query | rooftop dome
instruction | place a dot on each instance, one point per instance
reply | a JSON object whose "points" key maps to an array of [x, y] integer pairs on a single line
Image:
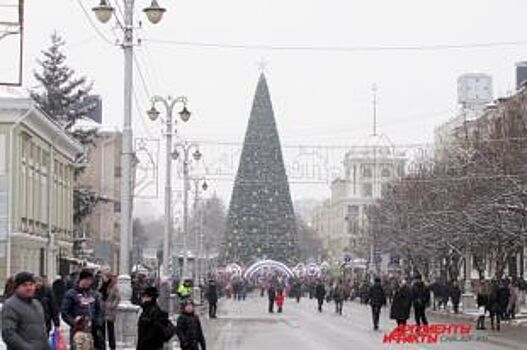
{"points": [[378, 144]]}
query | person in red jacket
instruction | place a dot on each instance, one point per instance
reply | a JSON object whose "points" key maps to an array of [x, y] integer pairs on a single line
{"points": [[280, 299]]}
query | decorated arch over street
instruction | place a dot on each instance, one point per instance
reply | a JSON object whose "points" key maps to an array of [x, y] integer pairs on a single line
{"points": [[268, 265]]}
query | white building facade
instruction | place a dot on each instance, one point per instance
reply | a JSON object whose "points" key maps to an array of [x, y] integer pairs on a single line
{"points": [[36, 190], [342, 222]]}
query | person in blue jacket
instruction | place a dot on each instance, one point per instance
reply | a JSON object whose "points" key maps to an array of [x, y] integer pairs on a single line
{"points": [[83, 301]]}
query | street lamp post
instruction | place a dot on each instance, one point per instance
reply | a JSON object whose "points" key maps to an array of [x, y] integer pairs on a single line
{"points": [[186, 148], [169, 104], [104, 13], [197, 181], [126, 319]]}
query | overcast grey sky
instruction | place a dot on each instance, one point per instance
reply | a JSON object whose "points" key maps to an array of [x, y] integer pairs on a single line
{"points": [[318, 96]]}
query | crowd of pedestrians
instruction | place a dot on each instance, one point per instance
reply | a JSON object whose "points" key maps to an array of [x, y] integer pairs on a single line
{"points": [[499, 299], [87, 303]]}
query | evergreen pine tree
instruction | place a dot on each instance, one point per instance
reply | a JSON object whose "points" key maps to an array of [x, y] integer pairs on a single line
{"points": [[65, 99], [62, 95]]}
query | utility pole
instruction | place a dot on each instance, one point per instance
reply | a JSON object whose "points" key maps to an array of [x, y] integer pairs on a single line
{"points": [[127, 150]]}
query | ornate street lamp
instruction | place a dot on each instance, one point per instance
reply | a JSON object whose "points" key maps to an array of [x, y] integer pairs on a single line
{"points": [[154, 12], [103, 12]]}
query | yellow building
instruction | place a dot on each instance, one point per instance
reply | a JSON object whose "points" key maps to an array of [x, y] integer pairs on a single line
{"points": [[36, 190]]}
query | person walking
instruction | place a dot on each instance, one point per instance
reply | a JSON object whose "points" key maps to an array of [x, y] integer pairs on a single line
{"points": [[401, 303], [504, 297], [271, 294], [320, 294], [389, 291], [296, 290], [44, 294], [110, 298], [188, 329], [455, 296], [84, 301], [338, 297], [280, 300], [495, 306], [420, 300], [212, 298], [442, 295], [23, 322], [59, 289], [483, 305], [153, 325], [513, 305], [377, 299]]}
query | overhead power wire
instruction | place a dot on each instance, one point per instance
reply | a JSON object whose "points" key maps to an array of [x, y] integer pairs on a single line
{"points": [[248, 46], [142, 77], [140, 114]]}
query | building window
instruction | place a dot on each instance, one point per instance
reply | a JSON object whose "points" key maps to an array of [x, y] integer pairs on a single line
{"points": [[118, 171], [384, 188], [367, 190], [117, 207], [44, 199], [367, 171], [353, 211]]}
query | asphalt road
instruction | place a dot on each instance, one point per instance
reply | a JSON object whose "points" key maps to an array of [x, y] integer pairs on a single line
{"points": [[246, 325]]}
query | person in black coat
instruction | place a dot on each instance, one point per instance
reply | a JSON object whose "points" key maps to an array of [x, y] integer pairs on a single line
{"points": [[189, 329], [271, 294], [420, 300], [44, 294], [377, 299], [320, 294], [496, 312], [152, 322], [498, 301], [212, 298], [483, 305], [59, 289], [455, 295], [401, 304], [503, 297]]}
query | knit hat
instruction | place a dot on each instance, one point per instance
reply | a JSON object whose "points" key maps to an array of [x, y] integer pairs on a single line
{"points": [[150, 291], [23, 277], [85, 274]]}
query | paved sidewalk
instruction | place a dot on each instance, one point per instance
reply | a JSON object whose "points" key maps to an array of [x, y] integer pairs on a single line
{"points": [[520, 319]]}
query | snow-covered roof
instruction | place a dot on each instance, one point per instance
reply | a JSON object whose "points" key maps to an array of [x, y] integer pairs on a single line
{"points": [[88, 124]]}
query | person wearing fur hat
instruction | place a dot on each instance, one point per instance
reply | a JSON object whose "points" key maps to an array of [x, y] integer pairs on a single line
{"points": [[83, 301], [23, 322], [153, 322], [188, 328]]}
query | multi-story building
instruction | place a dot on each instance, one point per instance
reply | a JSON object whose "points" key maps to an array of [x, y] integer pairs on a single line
{"points": [[102, 175], [342, 222], [36, 190], [474, 92]]}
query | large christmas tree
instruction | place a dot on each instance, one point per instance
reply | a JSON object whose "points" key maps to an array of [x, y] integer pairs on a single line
{"points": [[261, 221]]}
